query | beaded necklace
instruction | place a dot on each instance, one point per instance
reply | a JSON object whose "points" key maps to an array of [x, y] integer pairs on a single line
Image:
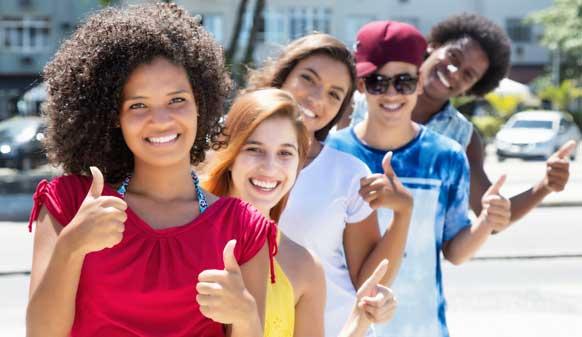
{"points": [[202, 204]]}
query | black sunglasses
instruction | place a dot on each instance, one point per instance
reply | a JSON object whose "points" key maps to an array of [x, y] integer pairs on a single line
{"points": [[377, 84]]}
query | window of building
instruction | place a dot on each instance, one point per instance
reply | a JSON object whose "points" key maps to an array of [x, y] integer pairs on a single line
{"points": [[214, 24], [519, 31], [24, 35], [353, 25], [287, 23]]}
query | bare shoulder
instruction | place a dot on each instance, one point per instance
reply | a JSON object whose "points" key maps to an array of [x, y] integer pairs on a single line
{"points": [[301, 267]]}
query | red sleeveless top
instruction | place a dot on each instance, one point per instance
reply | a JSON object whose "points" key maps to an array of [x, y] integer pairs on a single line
{"points": [[145, 285]]}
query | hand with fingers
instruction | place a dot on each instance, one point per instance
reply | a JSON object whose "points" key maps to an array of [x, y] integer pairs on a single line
{"points": [[222, 295], [375, 303], [99, 222], [386, 190], [374, 300], [496, 211], [558, 168]]}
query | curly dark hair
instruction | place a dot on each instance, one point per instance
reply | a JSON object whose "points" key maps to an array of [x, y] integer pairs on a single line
{"points": [[492, 39], [275, 71], [85, 80]]}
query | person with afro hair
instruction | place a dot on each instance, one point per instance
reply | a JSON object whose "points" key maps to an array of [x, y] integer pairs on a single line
{"points": [[135, 98], [470, 54]]}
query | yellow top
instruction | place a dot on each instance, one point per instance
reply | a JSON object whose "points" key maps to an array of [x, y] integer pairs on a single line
{"points": [[280, 307]]}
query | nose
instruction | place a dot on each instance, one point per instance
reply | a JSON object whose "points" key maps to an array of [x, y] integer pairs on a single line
{"points": [[315, 98], [161, 116], [269, 163]]}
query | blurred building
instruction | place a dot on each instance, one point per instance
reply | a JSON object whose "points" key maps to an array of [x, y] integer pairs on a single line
{"points": [[30, 33], [284, 20]]}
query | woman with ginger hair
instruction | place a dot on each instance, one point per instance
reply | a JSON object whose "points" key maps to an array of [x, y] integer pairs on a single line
{"points": [[267, 145]]}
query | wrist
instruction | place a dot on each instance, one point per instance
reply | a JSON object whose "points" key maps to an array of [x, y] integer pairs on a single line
{"points": [[68, 245], [543, 188], [357, 323], [251, 317], [67, 249]]}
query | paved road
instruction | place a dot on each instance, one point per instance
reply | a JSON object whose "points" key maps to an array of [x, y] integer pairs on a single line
{"points": [[509, 298]]}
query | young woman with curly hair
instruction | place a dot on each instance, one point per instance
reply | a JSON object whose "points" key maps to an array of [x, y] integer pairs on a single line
{"points": [[325, 212], [134, 100], [267, 146]]}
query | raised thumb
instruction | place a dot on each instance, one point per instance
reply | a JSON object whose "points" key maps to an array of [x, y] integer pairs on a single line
{"points": [[230, 262], [496, 188], [387, 164], [97, 184], [566, 149]]}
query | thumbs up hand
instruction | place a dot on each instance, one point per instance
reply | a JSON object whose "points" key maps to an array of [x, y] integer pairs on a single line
{"points": [[99, 222], [558, 168], [496, 211], [376, 301], [385, 190], [222, 295]]}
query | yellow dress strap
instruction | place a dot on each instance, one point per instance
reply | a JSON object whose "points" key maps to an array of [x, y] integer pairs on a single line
{"points": [[280, 308]]}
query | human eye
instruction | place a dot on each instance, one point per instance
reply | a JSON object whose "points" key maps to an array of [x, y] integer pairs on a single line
{"points": [[307, 78], [137, 106], [286, 153], [175, 100], [335, 96], [253, 149]]}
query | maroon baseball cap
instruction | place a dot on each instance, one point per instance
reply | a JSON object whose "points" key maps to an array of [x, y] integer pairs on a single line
{"points": [[380, 42]]}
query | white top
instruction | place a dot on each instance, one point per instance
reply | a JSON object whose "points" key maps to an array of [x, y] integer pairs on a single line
{"points": [[325, 198]]}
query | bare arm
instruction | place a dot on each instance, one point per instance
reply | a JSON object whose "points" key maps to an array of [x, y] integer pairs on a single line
{"points": [[255, 274], [521, 203], [53, 281], [309, 310], [495, 213], [364, 247], [59, 254]]}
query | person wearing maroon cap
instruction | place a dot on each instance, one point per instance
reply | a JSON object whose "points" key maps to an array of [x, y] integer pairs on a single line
{"points": [[469, 54], [432, 167]]}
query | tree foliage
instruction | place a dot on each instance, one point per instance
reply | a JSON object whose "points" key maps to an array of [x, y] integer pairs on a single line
{"points": [[562, 23]]}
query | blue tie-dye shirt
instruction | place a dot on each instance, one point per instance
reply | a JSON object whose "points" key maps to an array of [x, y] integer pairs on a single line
{"points": [[435, 170]]}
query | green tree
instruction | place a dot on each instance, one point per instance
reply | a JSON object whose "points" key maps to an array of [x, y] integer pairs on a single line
{"points": [[562, 23]]}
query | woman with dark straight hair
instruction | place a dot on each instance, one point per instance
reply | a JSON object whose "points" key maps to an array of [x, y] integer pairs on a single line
{"points": [[325, 212]]}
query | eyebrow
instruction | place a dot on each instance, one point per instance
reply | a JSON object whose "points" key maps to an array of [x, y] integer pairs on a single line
{"points": [[254, 142], [311, 70], [180, 91]]}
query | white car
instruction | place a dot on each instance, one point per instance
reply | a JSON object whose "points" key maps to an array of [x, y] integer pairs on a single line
{"points": [[536, 134]]}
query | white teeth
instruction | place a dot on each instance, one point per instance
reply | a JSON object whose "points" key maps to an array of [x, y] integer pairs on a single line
{"points": [[308, 113], [392, 106], [443, 79], [162, 140], [269, 185], [451, 68]]}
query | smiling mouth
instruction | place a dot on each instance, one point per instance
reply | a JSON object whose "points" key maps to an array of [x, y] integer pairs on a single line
{"points": [[308, 113], [443, 79], [263, 185], [391, 106], [169, 139]]}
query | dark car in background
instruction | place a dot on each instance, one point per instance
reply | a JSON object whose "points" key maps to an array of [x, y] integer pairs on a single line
{"points": [[20, 143]]}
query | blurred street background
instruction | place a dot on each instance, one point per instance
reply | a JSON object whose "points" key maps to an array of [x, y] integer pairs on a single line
{"points": [[526, 281]]}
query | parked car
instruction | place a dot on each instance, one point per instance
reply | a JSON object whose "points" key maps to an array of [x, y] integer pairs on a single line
{"points": [[20, 143], [536, 134]]}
